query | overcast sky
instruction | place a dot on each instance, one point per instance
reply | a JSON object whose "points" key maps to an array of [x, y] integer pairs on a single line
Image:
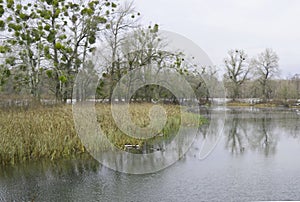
{"points": [[219, 25]]}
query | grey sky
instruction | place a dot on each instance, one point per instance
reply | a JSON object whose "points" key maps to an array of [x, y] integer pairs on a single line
{"points": [[217, 26]]}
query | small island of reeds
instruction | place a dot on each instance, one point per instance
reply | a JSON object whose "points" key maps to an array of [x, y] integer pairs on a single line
{"points": [[48, 132]]}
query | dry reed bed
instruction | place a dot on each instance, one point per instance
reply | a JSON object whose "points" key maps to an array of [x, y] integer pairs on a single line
{"points": [[37, 133], [49, 132]]}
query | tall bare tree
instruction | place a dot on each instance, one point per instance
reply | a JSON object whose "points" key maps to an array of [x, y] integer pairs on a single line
{"points": [[265, 66], [122, 20], [237, 71]]}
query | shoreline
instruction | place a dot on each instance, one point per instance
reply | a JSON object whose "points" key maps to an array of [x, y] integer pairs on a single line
{"points": [[262, 105]]}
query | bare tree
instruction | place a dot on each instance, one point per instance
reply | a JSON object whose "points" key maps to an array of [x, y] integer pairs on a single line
{"points": [[237, 71], [122, 20], [265, 67]]}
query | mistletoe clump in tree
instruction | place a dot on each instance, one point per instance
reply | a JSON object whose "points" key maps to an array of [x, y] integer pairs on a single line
{"points": [[49, 38]]}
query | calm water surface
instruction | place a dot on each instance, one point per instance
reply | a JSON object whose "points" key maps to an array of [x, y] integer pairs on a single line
{"points": [[257, 158]]}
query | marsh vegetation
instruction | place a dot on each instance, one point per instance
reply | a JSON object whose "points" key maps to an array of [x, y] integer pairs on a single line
{"points": [[49, 132]]}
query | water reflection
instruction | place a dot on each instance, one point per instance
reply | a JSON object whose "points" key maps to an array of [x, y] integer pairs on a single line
{"points": [[263, 140], [258, 130], [42, 180], [142, 162], [266, 138], [235, 134]]}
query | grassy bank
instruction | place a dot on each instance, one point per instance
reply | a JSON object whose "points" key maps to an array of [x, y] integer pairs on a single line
{"points": [[258, 105], [49, 132]]}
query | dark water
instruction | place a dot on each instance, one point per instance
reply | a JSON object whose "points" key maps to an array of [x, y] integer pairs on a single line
{"points": [[257, 158]]}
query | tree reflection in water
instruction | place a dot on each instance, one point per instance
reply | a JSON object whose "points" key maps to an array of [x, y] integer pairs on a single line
{"points": [[234, 140], [265, 138], [255, 131]]}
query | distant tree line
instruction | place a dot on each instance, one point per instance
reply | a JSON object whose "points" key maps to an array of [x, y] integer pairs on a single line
{"points": [[258, 77], [45, 44]]}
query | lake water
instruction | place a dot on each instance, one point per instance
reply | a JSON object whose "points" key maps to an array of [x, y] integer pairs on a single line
{"points": [[257, 158]]}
